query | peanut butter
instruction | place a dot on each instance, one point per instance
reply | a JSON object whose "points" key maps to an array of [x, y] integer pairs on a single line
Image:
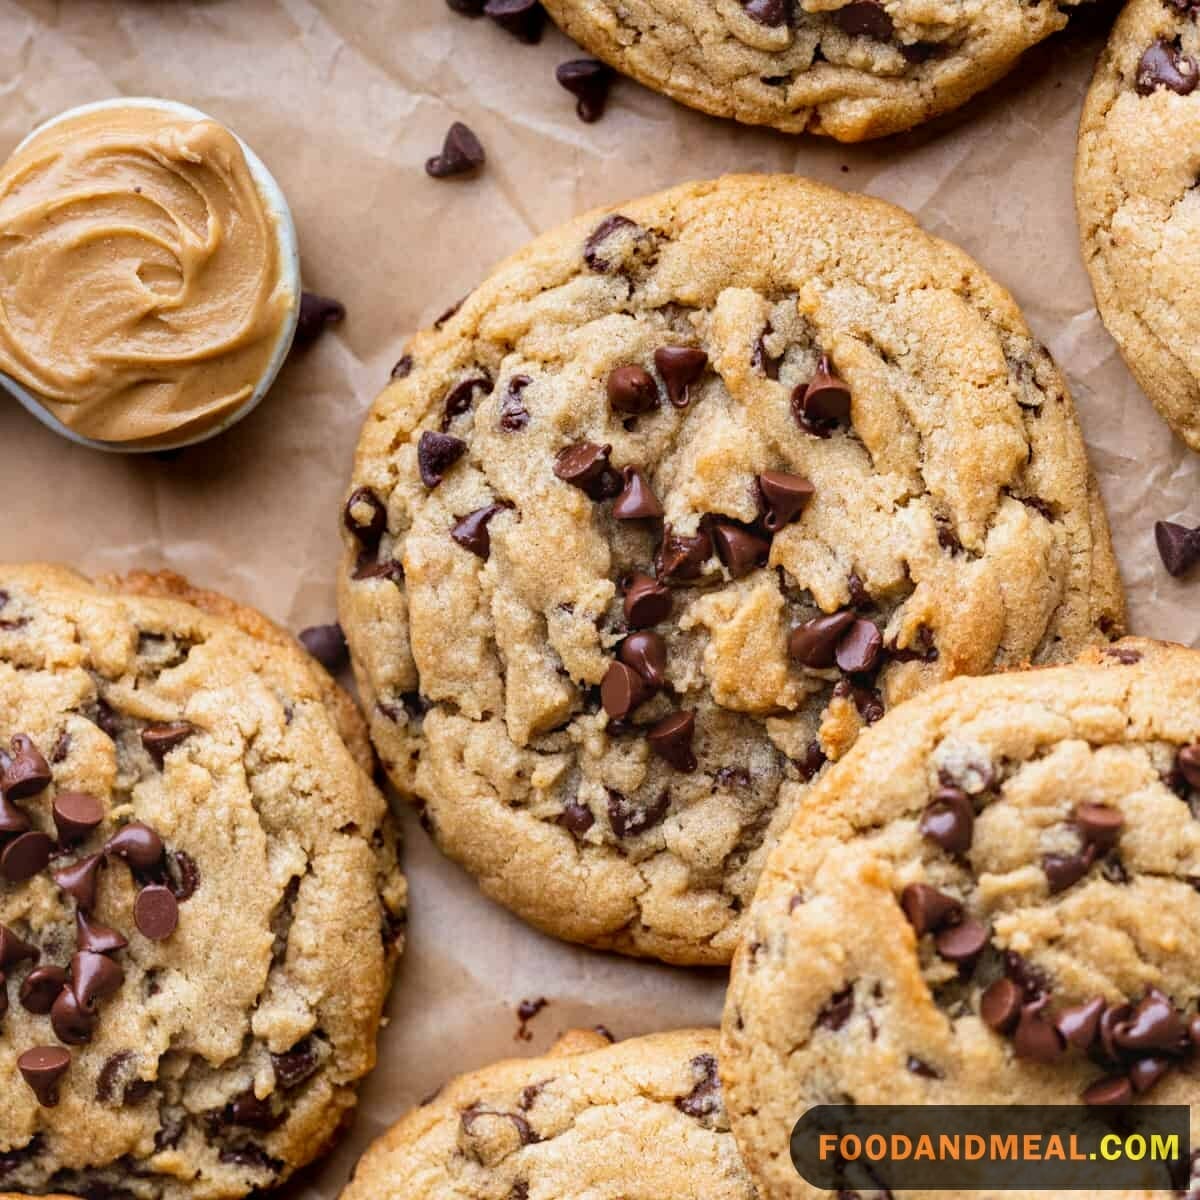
{"points": [[140, 278]]}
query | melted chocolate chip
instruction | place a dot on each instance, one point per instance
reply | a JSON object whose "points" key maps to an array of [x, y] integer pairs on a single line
{"points": [[680, 367], [671, 739], [647, 602], [250, 1112], [1065, 870], [365, 518], [471, 1116], [514, 416], [296, 1065], [762, 359], [705, 1097], [1115, 1089], [637, 499], [576, 817], [1080, 1024], [589, 81], [403, 367], [436, 454], [327, 644], [461, 397], [740, 550], [814, 643], [471, 532], [1164, 65], [646, 653], [681, 556], [629, 819], [611, 224], [838, 1011], [584, 465], [462, 152], [865, 18], [860, 646], [183, 875], [949, 821], [772, 13]]}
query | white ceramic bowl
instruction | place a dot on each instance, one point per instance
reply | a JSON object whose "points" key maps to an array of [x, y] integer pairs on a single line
{"points": [[289, 272]]}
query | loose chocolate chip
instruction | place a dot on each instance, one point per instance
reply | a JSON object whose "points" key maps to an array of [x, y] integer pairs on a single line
{"points": [[772, 13], [403, 367], [739, 549], [680, 367], [838, 1010], [927, 909], [591, 250], [136, 843], [461, 154], [1146, 1072], [589, 81], [647, 602], [860, 647], [1080, 1024], [637, 499], [365, 518], [1065, 870], [12, 819], [646, 653], [1036, 1038], [671, 739], [471, 532], [76, 815], [94, 977], [631, 389], [1099, 824], [962, 943], [705, 1098], [156, 912], [317, 314], [576, 817], [514, 416], [1165, 65], [160, 740], [1113, 1089], [865, 18], [628, 819], [40, 988], [14, 949], [1187, 763], [949, 821], [1000, 1005], [43, 1068], [79, 879], [26, 773], [1178, 547], [622, 690], [296, 1065], [784, 498], [814, 643], [823, 402], [461, 397], [681, 556], [327, 644], [1153, 1025], [436, 454], [73, 1024], [583, 465], [918, 1066], [524, 19], [25, 856], [91, 935]]}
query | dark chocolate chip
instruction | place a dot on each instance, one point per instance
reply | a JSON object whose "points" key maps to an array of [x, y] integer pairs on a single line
{"points": [[646, 653], [296, 1065], [814, 643], [14, 949], [461, 397], [524, 19], [637, 499], [814, 759], [1164, 65], [1113, 1089], [962, 943], [76, 815], [12, 819], [43, 1068], [1178, 547], [25, 856], [317, 314], [136, 843], [823, 402], [365, 518], [628, 819], [671, 739], [248, 1111], [471, 532], [591, 250], [949, 820], [838, 1010], [705, 1097], [865, 18], [589, 81], [680, 367], [160, 740], [91, 935], [647, 602], [772, 13], [868, 702], [514, 416], [859, 649], [1187, 763], [40, 988], [583, 465], [1080, 1024], [1035, 1037], [26, 772], [576, 817], [1065, 870], [252, 1156], [156, 912], [784, 498], [436, 454], [94, 977], [384, 569], [1144, 1073], [73, 1024], [327, 644], [1153, 1025], [927, 909], [740, 550], [461, 154], [682, 556], [403, 367], [1099, 824], [631, 389], [622, 690], [109, 1075], [1000, 1005]]}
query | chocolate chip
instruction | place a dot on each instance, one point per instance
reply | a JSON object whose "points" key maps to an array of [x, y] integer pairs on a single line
{"points": [[365, 518], [403, 367], [14, 949], [25, 856], [739, 549], [436, 454], [671, 739], [1035, 1037], [859, 648], [838, 1010], [73, 1024], [248, 1111], [591, 250], [40, 988], [918, 1066], [26, 772], [772, 13], [705, 1097], [1000, 1005], [1178, 547], [823, 402], [327, 644], [471, 532], [385, 569], [12, 819], [1065, 870], [461, 397], [628, 819], [576, 817], [296, 1065], [524, 19], [461, 154], [814, 643], [949, 821], [94, 977], [160, 740], [622, 690], [631, 389], [156, 912], [1080, 1024], [1165, 65], [1099, 824], [1111, 1019], [76, 815], [927, 909], [868, 702], [1187, 763], [814, 759], [3, 1005], [784, 498], [91, 935], [859, 596], [136, 843], [109, 1075], [43, 1068], [317, 314], [647, 602], [865, 18], [1113, 1089], [514, 416], [682, 556], [646, 653], [589, 81], [962, 943], [183, 875], [680, 367], [467, 8], [1146, 1072], [637, 499], [1153, 1025], [763, 360], [583, 465], [250, 1155]]}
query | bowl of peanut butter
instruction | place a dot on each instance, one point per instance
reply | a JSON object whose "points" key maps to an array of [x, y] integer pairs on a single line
{"points": [[149, 276]]}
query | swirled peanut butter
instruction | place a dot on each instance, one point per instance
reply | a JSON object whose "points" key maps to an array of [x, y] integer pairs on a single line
{"points": [[140, 279]]}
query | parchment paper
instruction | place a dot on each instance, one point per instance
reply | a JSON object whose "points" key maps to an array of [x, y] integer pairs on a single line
{"points": [[345, 99]]}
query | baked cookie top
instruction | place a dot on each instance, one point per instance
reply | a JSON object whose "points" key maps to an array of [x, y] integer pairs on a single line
{"points": [[190, 855], [1139, 211], [852, 70], [992, 900], [640, 1120], [677, 501]]}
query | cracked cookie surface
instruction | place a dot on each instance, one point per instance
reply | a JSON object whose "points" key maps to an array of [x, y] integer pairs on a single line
{"points": [[673, 504], [639, 1120], [194, 862], [992, 900], [850, 70], [1139, 208]]}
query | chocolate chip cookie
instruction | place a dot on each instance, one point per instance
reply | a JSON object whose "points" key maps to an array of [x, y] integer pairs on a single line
{"points": [[1139, 210], [992, 900], [677, 502], [640, 1120], [200, 905], [852, 70]]}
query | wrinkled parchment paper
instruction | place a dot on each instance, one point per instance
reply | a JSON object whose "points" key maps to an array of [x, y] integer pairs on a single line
{"points": [[345, 99]]}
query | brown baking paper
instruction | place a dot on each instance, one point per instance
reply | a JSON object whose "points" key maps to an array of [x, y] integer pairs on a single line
{"points": [[345, 100]]}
